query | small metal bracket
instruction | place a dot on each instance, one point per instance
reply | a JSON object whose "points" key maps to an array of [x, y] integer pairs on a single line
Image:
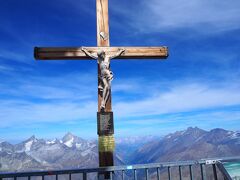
{"points": [[211, 162], [104, 36]]}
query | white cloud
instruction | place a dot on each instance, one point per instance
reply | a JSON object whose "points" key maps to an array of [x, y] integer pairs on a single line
{"points": [[181, 98], [126, 85], [73, 97], [68, 87], [201, 15], [48, 99], [24, 113]]}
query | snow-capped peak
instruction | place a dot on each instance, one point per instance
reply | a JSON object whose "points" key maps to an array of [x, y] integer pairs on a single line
{"points": [[73, 141], [28, 145], [235, 135], [69, 143], [29, 142], [68, 136], [68, 139]]}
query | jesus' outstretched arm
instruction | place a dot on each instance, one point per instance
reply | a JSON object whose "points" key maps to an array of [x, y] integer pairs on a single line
{"points": [[120, 51], [92, 55]]}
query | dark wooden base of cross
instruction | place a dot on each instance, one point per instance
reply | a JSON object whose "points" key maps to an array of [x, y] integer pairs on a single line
{"points": [[105, 159], [106, 143]]}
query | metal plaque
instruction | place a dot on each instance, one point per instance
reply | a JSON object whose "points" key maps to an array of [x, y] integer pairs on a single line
{"points": [[105, 123]]}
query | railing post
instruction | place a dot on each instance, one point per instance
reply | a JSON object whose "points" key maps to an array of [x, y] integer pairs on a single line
{"points": [[214, 172], [146, 173], [135, 174], [203, 172], [158, 173], [111, 175], [180, 172], [84, 176], [123, 174], [169, 173], [191, 172]]}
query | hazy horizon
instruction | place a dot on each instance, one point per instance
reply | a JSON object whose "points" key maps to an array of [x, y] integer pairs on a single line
{"points": [[16, 141]]}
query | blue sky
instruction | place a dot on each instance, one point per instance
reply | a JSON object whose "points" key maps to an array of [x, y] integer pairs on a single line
{"points": [[198, 85]]}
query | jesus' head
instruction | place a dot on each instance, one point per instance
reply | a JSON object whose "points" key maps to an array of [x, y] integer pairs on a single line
{"points": [[101, 54]]}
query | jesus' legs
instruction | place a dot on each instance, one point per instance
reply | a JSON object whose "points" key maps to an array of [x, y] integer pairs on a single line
{"points": [[105, 94]]}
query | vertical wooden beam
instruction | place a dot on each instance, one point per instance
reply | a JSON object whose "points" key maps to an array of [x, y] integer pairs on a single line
{"points": [[102, 23], [105, 158], [103, 41]]}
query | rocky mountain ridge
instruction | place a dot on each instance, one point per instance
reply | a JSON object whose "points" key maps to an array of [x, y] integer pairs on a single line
{"points": [[74, 152], [68, 152], [190, 144]]}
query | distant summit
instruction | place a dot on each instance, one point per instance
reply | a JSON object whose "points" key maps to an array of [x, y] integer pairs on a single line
{"points": [[68, 137], [188, 133]]}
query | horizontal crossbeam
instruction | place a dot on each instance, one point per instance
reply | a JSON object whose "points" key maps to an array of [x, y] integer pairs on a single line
{"points": [[51, 53]]}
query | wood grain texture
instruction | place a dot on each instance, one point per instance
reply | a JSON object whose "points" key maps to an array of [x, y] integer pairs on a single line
{"points": [[102, 22], [103, 27], [75, 53], [106, 159]]}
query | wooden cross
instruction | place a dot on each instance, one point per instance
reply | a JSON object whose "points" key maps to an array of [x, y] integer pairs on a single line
{"points": [[103, 38]]}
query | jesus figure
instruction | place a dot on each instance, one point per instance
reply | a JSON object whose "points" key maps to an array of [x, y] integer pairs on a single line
{"points": [[106, 74]]}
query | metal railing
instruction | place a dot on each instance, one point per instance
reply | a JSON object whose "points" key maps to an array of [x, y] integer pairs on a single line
{"points": [[159, 171]]}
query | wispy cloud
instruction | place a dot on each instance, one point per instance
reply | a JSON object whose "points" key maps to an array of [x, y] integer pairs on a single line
{"points": [[201, 15], [13, 56], [5, 68], [226, 118], [25, 113], [183, 98], [36, 99], [53, 99], [69, 87]]}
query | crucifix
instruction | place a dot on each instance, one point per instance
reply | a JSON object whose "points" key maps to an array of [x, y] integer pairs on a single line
{"points": [[103, 53]]}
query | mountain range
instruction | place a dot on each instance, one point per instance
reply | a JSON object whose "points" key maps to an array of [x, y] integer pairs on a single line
{"points": [[69, 152], [74, 152], [190, 144]]}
